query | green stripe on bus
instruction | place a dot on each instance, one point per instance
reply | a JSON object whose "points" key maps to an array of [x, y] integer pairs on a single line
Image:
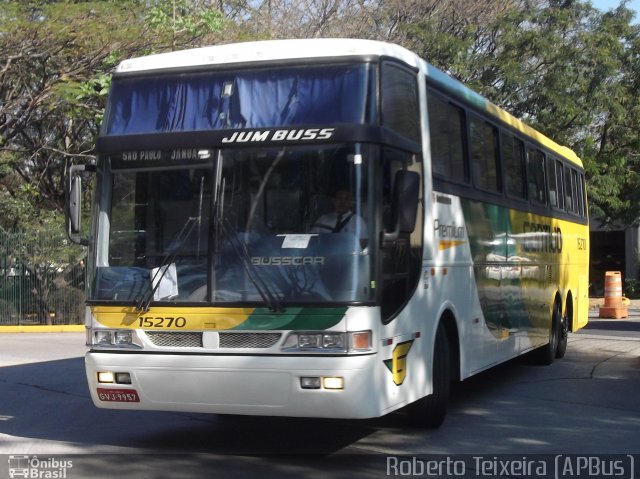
{"points": [[299, 318], [498, 257]]}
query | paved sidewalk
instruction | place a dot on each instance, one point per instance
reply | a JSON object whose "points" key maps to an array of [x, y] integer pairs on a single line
{"points": [[595, 303], [627, 328]]}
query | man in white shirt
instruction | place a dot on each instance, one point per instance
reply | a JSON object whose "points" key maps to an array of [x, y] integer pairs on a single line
{"points": [[342, 219]]}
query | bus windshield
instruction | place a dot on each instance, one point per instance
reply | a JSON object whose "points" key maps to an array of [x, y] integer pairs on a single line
{"points": [[272, 226]]}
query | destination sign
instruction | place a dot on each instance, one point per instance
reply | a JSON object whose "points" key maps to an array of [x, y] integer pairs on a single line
{"points": [[157, 155], [142, 158]]}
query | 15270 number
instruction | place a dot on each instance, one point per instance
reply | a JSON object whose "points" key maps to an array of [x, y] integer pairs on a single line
{"points": [[160, 322]]}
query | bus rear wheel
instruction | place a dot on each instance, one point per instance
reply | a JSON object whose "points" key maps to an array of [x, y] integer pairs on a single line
{"points": [[430, 411], [562, 341], [564, 329], [547, 353]]}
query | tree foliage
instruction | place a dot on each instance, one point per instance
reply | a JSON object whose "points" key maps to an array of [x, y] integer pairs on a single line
{"points": [[568, 70], [55, 64], [561, 65], [53, 60]]}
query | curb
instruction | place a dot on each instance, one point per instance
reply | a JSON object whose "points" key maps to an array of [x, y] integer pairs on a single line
{"points": [[76, 328], [604, 337]]}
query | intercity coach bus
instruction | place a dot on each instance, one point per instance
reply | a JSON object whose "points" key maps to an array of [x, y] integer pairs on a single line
{"points": [[214, 287]]}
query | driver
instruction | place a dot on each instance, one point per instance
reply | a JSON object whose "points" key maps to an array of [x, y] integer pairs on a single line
{"points": [[342, 219]]}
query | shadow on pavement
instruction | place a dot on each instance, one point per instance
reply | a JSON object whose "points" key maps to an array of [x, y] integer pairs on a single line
{"points": [[619, 325], [51, 401], [514, 406]]}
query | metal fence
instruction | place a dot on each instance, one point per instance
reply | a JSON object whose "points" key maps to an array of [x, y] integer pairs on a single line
{"points": [[42, 278]]}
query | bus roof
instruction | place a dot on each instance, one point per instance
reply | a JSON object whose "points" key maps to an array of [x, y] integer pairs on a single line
{"points": [[269, 50], [275, 50]]}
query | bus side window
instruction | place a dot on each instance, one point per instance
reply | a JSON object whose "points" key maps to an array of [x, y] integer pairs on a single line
{"points": [[446, 129], [574, 190], [513, 157], [484, 155], [581, 197], [568, 190], [400, 104], [559, 176], [535, 177], [554, 174]]}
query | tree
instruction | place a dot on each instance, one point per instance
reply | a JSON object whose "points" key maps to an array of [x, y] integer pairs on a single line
{"points": [[54, 58], [55, 63], [612, 147], [565, 68]]}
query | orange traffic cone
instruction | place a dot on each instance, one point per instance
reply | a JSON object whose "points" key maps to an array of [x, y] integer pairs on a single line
{"points": [[613, 307]]}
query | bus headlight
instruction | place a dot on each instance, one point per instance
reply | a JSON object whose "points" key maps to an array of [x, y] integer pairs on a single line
{"points": [[102, 338], [322, 341], [115, 338], [123, 338], [328, 342], [333, 341], [306, 341]]}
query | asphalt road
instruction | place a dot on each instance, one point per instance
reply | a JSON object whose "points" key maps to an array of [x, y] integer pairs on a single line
{"points": [[587, 403]]}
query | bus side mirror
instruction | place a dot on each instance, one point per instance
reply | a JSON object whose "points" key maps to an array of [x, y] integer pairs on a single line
{"points": [[404, 204], [74, 201], [75, 204]]}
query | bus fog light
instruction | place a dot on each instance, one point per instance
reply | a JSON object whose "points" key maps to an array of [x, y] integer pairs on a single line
{"points": [[309, 341], [333, 383], [106, 377], [102, 338], [333, 341], [310, 383], [123, 378], [123, 337]]}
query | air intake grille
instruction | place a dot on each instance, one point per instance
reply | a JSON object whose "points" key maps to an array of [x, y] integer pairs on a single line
{"points": [[248, 340], [175, 340]]}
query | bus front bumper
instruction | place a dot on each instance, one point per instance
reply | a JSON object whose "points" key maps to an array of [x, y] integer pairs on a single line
{"points": [[247, 385]]}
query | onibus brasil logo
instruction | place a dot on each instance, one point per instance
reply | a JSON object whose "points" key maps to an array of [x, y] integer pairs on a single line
{"points": [[33, 467]]}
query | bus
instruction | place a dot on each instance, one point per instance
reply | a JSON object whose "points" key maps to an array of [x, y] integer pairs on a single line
{"points": [[216, 286], [18, 466]]}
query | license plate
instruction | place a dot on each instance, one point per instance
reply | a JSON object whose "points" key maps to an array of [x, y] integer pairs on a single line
{"points": [[118, 395]]}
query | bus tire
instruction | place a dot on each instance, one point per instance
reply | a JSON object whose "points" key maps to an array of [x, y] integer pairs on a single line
{"points": [[547, 353], [562, 341], [430, 411]]}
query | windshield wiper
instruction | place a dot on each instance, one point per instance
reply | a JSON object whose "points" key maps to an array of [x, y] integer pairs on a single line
{"points": [[223, 226], [240, 248], [142, 303]]}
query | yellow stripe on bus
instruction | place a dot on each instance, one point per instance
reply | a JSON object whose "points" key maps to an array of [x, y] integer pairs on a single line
{"points": [[446, 244], [536, 135], [171, 317]]}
